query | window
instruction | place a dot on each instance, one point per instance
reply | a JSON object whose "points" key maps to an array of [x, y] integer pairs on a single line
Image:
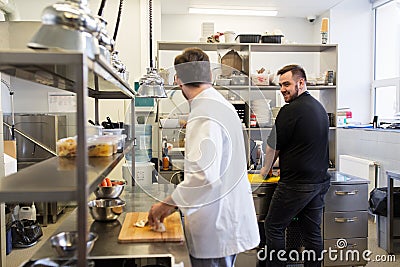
{"points": [[386, 85]]}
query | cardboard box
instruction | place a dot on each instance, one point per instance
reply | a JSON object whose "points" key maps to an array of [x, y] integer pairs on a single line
{"points": [[10, 148]]}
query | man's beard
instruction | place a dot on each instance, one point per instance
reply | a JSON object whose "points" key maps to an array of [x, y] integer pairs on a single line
{"points": [[295, 95]]}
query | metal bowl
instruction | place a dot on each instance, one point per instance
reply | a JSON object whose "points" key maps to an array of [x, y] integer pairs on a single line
{"points": [[106, 209], [110, 191], [65, 244]]}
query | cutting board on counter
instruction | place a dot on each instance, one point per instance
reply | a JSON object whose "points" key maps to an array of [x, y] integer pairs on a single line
{"points": [[131, 234]]}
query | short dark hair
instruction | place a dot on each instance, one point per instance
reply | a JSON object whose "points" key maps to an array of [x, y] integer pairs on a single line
{"points": [[296, 70], [193, 67]]}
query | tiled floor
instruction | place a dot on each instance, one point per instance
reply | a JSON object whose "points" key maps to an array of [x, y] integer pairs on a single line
{"points": [[19, 256]]}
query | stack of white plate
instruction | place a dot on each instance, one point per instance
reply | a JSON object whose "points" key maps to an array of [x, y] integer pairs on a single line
{"points": [[262, 109]]}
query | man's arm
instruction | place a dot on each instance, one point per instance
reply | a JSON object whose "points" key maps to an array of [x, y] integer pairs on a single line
{"points": [[270, 157]]}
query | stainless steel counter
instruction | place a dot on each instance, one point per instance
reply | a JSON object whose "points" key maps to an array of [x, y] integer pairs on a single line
{"points": [[107, 246]]}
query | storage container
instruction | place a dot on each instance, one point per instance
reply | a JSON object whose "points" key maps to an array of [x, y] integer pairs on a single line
{"points": [[248, 38], [277, 39], [118, 136], [100, 147], [143, 149]]}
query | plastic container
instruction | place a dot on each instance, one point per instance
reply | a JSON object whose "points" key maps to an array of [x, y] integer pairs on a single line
{"points": [[66, 147], [143, 149], [101, 147], [144, 173], [260, 79], [248, 38], [277, 39], [25, 213], [229, 36], [120, 137], [222, 82], [92, 130]]}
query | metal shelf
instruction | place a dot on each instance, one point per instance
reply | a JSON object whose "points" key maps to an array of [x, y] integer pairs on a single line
{"points": [[296, 48], [309, 87], [255, 47], [60, 179], [55, 179], [57, 70], [179, 46]]}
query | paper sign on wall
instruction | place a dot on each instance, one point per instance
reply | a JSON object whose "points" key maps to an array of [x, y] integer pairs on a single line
{"points": [[62, 102]]}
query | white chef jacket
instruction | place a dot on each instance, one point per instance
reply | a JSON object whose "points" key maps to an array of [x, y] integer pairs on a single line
{"points": [[216, 196]]}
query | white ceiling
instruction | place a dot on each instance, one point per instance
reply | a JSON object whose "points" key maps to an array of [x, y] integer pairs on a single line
{"points": [[286, 8]]}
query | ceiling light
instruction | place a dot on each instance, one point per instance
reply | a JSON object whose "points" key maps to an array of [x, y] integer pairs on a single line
{"points": [[239, 12]]}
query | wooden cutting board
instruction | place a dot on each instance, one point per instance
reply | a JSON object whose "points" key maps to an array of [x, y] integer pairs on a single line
{"points": [[131, 234]]}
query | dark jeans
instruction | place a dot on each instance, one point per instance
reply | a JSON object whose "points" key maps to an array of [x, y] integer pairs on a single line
{"points": [[304, 201]]}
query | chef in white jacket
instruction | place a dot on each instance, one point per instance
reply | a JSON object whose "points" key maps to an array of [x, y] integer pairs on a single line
{"points": [[215, 196]]}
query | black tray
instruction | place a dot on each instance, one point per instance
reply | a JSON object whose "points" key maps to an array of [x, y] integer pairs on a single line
{"points": [[248, 38], [271, 39]]}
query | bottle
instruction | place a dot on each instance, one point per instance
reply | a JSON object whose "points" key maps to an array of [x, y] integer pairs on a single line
{"points": [[33, 210], [16, 213], [259, 154], [165, 159], [253, 120]]}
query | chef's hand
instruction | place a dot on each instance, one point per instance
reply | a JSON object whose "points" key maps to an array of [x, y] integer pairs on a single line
{"points": [[159, 211]]}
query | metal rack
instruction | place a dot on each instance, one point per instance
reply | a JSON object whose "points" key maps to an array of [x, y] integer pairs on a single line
{"points": [[60, 179], [322, 57]]}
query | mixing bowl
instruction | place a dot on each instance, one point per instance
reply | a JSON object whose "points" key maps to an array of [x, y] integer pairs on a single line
{"points": [[110, 191], [106, 209], [65, 244]]}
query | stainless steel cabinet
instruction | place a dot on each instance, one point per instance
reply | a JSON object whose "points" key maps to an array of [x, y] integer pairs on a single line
{"points": [[345, 221]]}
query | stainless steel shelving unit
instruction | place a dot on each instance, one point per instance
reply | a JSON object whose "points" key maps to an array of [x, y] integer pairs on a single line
{"points": [[59, 179], [323, 57]]}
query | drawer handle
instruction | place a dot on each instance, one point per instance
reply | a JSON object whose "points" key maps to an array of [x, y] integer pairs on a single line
{"points": [[346, 220], [346, 193]]}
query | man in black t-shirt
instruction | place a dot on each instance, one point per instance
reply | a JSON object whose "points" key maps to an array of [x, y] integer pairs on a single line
{"points": [[300, 139]]}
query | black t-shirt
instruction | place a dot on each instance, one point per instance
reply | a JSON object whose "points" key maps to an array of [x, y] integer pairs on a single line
{"points": [[301, 133]]}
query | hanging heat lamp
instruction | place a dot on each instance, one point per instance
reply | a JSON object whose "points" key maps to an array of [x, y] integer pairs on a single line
{"points": [[151, 84], [68, 25]]}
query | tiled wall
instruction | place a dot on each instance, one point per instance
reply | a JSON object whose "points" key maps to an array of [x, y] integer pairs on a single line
{"points": [[382, 146]]}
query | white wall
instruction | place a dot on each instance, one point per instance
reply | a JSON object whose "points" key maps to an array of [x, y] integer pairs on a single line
{"points": [[351, 27], [188, 28]]}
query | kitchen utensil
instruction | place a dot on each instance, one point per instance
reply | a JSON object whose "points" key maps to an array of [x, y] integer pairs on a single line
{"points": [[65, 244], [106, 209], [110, 122], [132, 234], [92, 123], [110, 191]]}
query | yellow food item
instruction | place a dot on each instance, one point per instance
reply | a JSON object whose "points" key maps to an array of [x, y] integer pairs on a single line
{"points": [[101, 150], [66, 147], [257, 178]]}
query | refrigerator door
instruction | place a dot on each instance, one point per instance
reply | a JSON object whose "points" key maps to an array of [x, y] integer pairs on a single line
{"points": [[46, 129]]}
